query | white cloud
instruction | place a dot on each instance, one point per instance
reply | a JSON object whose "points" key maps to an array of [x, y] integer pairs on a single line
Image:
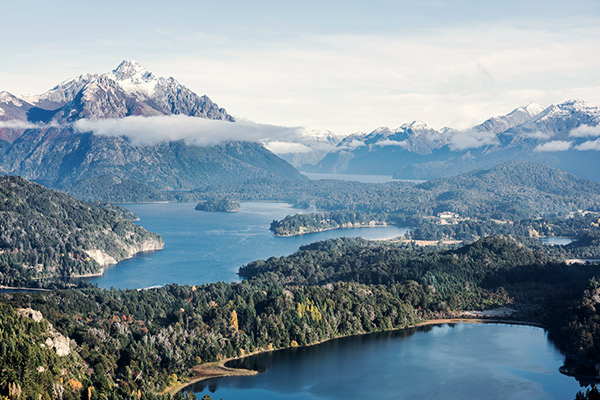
{"points": [[585, 131], [388, 142], [350, 145], [537, 135], [17, 124], [472, 139], [194, 131], [287, 147], [555, 145], [589, 145]]}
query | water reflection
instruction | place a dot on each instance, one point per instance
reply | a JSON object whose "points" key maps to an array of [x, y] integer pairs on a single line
{"points": [[450, 361]]}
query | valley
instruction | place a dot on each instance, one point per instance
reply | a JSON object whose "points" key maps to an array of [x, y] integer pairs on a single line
{"points": [[253, 264]]}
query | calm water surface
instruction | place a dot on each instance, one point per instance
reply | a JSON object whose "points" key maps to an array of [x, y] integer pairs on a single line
{"points": [[315, 176], [462, 361], [553, 241], [203, 247]]}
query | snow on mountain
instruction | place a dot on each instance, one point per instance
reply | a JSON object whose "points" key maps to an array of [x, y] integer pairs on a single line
{"points": [[556, 122], [516, 117], [486, 133], [60, 94], [129, 89], [13, 116], [12, 107], [415, 137]]}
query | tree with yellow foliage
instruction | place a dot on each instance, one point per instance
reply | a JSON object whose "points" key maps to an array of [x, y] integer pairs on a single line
{"points": [[234, 320]]}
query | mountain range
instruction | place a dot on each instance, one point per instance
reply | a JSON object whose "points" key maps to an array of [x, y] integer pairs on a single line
{"points": [[39, 138], [563, 135]]}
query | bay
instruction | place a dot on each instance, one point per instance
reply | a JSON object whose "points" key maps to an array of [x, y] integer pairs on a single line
{"points": [[452, 361], [204, 247]]}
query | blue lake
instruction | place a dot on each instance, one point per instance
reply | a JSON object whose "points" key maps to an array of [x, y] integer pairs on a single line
{"points": [[460, 361], [463, 361], [203, 247]]}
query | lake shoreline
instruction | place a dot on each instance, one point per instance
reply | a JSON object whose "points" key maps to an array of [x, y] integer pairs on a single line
{"points": [[218, 369]]}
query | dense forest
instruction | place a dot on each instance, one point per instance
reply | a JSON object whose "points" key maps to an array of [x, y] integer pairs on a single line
{"points": [[219, 205], [47, 234], [514, 190], [317, 222], [92, 343], [506, 200], [128, 343]]}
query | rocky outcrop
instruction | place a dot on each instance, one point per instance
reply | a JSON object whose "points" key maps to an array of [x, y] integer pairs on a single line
{"points": [[53, 339], [104, 259]]}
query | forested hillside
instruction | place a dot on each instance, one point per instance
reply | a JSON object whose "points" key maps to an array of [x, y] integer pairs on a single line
{"points": [[47, 234], [138, 343], [484, 200]]}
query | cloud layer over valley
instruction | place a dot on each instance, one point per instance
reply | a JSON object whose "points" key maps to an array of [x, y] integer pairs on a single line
{"points": [[194, 131]]}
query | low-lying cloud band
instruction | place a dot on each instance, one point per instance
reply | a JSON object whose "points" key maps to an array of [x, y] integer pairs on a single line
{"points": [[194, 131]]}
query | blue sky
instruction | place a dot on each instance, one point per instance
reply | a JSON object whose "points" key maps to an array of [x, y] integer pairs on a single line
{"points": [[339, 65]]}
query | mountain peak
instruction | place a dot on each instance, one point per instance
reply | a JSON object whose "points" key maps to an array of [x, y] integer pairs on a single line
{"points": [[7, 97], [577, 105], [416, 126], [533, 109], [131, 70]]}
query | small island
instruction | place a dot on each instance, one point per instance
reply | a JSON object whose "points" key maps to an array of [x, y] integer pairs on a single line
{"points": [[219, 205]]}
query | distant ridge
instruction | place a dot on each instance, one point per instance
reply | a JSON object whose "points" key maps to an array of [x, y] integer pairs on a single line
{"points": [[415, 151]]}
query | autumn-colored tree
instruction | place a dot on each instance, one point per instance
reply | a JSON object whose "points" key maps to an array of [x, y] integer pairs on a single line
{"points": [[234, 320]]}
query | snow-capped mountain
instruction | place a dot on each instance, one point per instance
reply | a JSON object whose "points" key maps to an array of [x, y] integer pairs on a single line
{"points": [[415, 137], [127, 90], [60, 94], [39, 140], [557, 121], [530, 132], [502, 123], [13, 116], [12, 108]]}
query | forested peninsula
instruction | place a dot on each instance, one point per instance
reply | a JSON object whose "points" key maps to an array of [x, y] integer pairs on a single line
{"points": [[47, 235]]}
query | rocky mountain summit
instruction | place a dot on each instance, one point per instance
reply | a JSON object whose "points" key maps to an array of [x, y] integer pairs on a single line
{"points": [[127, 90]]}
